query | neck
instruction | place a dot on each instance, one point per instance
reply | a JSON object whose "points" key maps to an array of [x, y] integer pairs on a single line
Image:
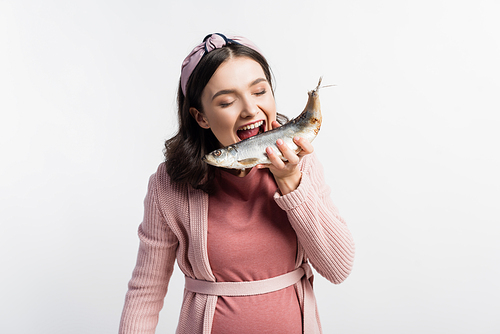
{"points": [[239, 172]]}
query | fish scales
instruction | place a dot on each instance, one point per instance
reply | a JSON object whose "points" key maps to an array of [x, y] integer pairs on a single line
{"points": [[252, 151]]}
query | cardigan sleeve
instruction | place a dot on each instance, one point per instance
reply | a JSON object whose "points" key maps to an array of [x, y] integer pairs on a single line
{"points": [[154, 267], [320, 229]]}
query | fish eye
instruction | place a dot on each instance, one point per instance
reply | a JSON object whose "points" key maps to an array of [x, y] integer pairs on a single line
{"points": [[217, 153]]}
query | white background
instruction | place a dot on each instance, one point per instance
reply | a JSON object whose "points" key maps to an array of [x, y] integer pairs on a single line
{"points": [[409, 143]]}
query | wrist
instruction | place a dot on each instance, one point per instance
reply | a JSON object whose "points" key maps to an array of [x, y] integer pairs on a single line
{"points": [[288, 184]]}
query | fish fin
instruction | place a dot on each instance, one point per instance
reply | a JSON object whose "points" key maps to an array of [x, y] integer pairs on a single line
{"points": [[249, 161]]}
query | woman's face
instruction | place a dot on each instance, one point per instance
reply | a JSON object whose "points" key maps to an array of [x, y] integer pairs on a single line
{"points": [[237, 102]]}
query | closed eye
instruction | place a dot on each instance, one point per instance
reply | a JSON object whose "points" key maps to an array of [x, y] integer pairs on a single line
{"points": [[225, 104], [262, 92]]}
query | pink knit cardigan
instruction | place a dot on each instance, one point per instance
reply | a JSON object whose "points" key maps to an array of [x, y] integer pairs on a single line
{"points": [[175, 227]]}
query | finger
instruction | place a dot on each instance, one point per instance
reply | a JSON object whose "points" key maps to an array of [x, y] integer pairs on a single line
{"points": [[287, 152], [304, 144], [275, 125], [274, 158]]}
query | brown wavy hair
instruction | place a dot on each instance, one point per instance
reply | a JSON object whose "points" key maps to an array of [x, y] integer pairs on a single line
{"points": [[183, 152]]}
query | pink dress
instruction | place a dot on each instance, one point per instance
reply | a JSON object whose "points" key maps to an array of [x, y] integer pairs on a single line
{"points": [[175, 229], [250, 238]]}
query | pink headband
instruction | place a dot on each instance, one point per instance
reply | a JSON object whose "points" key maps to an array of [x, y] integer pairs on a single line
{"points": [[210, 42]]}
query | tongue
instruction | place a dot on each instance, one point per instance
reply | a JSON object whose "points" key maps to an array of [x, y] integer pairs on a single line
{"points": [[244, 134]]}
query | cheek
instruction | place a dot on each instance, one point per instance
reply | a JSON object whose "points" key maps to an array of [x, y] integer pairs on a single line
{"points": [[270, 109], [223, 127]]}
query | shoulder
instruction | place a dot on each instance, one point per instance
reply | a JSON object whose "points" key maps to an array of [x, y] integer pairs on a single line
{"points": [[163, 184], [161, 177], [168, 192]]}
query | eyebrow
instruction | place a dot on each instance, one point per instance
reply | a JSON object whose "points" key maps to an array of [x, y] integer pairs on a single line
{"points": [[230, 91], [256, 81]]}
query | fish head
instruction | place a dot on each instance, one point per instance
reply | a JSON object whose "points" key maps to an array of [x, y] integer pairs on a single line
{"points": [[222, 157]]}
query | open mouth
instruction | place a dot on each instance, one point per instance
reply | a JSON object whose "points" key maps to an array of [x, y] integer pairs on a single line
{"points": [[251, 130]]}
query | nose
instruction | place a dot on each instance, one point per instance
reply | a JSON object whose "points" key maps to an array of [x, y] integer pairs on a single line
{"points": [[249, 108]]}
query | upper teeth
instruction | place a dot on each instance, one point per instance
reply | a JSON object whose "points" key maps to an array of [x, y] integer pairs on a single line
{"points": [[252, 126]]}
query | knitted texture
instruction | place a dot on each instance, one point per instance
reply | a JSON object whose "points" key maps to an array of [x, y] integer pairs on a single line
{"points": [[175, 227]]}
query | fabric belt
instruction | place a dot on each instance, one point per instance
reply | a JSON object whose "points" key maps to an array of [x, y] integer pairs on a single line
{"points": [[249, 288]]}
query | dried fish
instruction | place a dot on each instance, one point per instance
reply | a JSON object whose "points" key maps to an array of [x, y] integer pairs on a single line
{"points": [[252, 151]]}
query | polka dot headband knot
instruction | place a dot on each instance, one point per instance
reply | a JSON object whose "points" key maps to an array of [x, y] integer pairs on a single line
{"points": [[210, 43]]}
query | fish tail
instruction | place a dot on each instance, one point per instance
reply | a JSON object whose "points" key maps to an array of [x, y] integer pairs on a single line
{"points": [[318, 87]]}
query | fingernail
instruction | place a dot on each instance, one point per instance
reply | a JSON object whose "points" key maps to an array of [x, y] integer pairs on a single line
{"points": [[279, 142]]}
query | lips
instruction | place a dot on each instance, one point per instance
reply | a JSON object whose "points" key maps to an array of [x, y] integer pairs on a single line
{"points": [[250, 130]]}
